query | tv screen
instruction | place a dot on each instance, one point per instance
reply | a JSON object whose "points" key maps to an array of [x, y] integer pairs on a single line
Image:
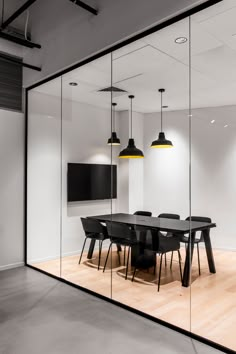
{"points": [[91, 181]]}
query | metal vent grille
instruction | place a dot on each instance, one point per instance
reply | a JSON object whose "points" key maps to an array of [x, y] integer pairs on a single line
{"points": [[111, 88], [10, 84]]}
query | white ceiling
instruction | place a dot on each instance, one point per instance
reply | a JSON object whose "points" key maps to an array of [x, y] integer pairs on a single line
{"points": [[156, 61]]}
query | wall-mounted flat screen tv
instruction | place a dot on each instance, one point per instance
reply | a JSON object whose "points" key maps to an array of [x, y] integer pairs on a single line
{"points": [[91, 181]]}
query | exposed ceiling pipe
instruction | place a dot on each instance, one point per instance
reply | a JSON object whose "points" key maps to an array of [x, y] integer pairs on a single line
{"points": [[85, 6], [17, 13], [20, 62], [18, 40]]}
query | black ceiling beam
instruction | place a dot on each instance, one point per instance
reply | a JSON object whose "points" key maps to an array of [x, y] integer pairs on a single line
{"points": [[85, 6], [19, 61], [18, 40], [17, 13]]}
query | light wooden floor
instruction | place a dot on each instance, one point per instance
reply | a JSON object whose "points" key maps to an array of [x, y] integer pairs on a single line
{"points": [[212, 296]]}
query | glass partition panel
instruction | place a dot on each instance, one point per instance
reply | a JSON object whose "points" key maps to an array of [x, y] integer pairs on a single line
{"points": [[43, 177], [155, 70], [86, 174], [131, 177], [214, 173]]}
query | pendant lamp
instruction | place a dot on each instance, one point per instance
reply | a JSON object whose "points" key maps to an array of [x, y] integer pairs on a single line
{"points": [[161, 142], [131, 152], [113, 140]]}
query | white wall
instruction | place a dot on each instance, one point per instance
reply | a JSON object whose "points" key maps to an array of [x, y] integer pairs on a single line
{"points": [[68, 34], [130, 180], [166, 171], [11, 189]]}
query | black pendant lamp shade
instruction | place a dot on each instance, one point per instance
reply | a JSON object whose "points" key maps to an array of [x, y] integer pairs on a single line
{"points": [[161, 142], [131, 152], [113, 140]]}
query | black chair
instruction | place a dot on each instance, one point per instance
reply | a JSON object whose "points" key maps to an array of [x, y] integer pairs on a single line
{"points": [[169, 216], [159, 244], [143, 213], [120, 234], [185, 239], [94, 230]]}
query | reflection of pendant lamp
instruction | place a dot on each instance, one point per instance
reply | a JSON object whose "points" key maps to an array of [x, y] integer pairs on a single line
{"points": [[131, 152], [161, 142], [114, 141]]}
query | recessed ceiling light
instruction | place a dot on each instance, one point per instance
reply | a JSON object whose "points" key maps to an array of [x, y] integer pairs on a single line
{"points": [[73, 84], [212, 121], [181, 40], [226, 125]]}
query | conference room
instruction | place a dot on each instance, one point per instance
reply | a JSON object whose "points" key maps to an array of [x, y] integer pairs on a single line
{"points": [[131, 175]]}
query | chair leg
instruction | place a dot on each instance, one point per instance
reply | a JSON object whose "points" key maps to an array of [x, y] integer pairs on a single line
{"points": [[171, 260], [165, 260], [127, 266], [100, 251], [198, 256], [159, 278], [82, 250], [134, 273], [107, 257], [180, 267]]}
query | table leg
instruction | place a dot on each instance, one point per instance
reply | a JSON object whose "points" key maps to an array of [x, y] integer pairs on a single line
{"points": [[138, 249], [91, 248], [210, 257], [135, 252], [188, 260]]}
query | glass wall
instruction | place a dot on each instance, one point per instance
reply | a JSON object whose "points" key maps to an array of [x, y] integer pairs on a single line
{"points": [[213, 173], [150, 226], [44, 177], [86, 161]]}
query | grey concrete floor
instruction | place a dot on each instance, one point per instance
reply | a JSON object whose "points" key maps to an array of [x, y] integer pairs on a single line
{"points": [[39, 315]]}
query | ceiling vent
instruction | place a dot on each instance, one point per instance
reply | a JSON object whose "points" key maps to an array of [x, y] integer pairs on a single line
{"points": [[111, 89]]}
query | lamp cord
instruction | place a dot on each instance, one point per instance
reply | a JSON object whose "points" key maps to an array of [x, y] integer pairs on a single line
{"points": [[161, 111], [131, 118], [114, 120]]}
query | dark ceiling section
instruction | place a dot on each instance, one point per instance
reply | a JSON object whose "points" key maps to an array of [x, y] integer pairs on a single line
{"points": [[17, 38], [17, 13], [11, 13]]}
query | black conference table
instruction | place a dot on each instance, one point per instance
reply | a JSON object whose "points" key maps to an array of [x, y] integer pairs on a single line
{"points": [[177, 227]]}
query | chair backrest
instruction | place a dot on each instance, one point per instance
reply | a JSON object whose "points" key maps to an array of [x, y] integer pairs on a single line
{"points": [[169, 216], [118, 230], [201, 219], [143, 213], [91, 226]]}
